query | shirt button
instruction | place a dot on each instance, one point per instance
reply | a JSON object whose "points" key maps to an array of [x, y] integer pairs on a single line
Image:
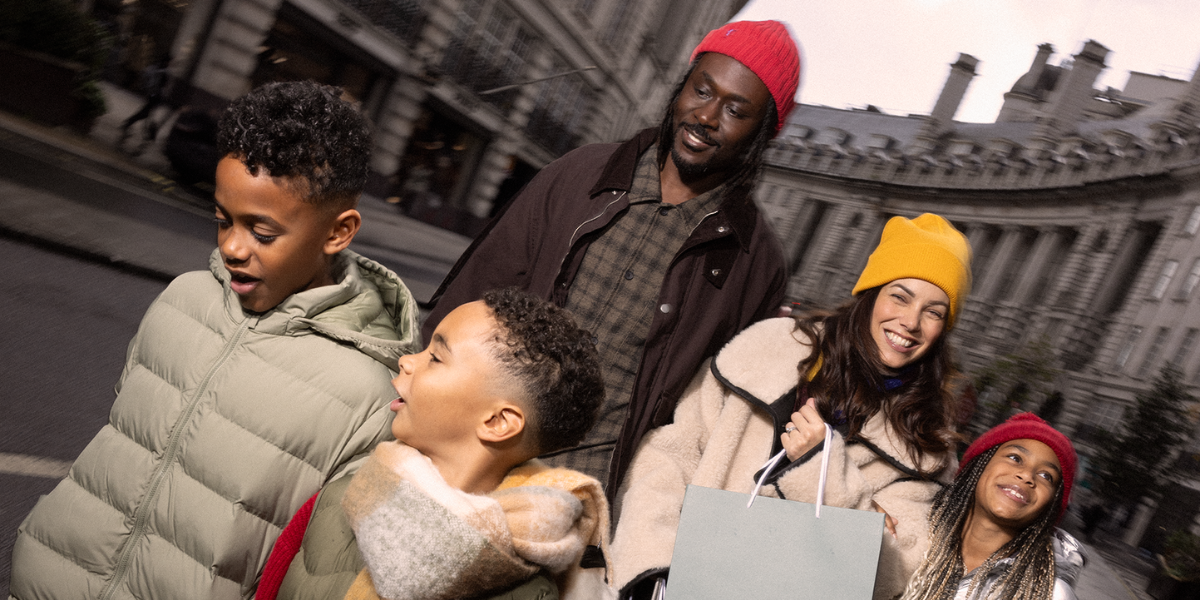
{"points": [[628, 274], [722, 229], [716, 272], [665, 308], [664, 211], [595, 340]]}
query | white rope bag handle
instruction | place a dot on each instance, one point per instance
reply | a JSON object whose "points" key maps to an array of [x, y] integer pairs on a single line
{"points": [[767, 468]]}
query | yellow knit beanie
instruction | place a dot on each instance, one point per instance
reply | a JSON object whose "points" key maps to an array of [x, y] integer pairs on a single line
{"points": [[927, 247]]}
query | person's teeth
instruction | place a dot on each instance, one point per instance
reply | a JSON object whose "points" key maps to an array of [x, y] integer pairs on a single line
{"points": [[899, 341]]}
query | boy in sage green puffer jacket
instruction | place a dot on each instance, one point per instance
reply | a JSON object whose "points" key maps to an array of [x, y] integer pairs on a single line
{"points": [[247, 387]]}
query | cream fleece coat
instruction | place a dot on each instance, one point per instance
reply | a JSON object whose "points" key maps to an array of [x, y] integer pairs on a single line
{"points": [[723, 433]]}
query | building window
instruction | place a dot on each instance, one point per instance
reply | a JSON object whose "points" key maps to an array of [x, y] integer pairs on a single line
{"points": [[556, 122], [1164, 279], [1193, 222], [404, 18], [619, 23], [1108, 416], [1127, 348], [491, 48], [1185, 347], [1189, 284], [1160, 338]]}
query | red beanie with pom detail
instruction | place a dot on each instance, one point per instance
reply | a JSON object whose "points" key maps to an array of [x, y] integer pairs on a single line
{"points": [[1028, 426], [767, 49]]}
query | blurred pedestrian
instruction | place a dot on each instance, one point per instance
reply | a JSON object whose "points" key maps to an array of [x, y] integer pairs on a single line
{"points": [[154, 84]]}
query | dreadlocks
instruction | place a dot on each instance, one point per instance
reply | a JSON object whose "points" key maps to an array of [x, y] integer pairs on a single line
{"points": [[752, 160], [1029, 577]]}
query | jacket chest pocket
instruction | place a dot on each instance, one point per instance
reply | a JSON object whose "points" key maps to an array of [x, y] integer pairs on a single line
{"points": [[718, 262]]}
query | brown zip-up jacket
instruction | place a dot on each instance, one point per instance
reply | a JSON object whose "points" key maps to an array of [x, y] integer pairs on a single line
{"points": [[728, 274]]}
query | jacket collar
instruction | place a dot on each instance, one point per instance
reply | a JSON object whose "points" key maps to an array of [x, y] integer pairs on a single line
{"points": [[738, 209], [368, 307]]}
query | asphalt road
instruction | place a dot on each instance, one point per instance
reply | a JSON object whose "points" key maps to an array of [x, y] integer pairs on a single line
{"points": [[67, 322]]}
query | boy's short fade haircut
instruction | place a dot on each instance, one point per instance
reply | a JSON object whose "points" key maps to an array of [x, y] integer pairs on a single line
{"points": [[554, 360], [304, 131]]}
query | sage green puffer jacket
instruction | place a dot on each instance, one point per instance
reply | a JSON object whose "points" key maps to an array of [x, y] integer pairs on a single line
{"points": [[225, 423]]}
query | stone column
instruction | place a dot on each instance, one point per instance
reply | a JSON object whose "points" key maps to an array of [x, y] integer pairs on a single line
{"points": [[1076, 258], [493, 166], [1038, 262], [993, 273], [394, 124], [827, 242], [231, 54]]}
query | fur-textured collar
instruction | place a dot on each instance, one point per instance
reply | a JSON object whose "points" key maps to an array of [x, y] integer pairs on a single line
{"points": [[761, 364], [425, 540]]}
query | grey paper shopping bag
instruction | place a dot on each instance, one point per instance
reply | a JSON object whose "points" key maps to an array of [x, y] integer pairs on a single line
{"points": [[730, 546], [724, 549]]}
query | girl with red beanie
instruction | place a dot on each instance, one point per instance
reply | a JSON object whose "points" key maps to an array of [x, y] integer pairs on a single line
{"points": [[993, 531]]}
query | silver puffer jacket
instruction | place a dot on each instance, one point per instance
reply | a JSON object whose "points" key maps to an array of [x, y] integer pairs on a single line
{"points": [[1068, 563]]}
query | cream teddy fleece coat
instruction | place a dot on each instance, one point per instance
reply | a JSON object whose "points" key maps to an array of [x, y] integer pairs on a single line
{"points": [[723, 433]]}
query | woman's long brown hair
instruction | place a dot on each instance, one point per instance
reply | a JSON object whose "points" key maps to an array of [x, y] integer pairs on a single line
{"points": [[851, 379]]}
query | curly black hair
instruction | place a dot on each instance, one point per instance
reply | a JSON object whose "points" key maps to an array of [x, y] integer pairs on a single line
{"points": [[304, 131], [554, 360]]}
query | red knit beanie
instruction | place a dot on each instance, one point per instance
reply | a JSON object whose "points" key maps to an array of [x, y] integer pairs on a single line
{"points": [[766, 48], [1028, 426]]}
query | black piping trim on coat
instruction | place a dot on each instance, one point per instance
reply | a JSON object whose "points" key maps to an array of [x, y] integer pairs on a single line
{"points": [[637, 584], [777, 419], [899, 466]]}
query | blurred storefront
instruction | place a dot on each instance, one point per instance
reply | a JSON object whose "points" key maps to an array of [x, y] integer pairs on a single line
{"points": [[469, 97]]}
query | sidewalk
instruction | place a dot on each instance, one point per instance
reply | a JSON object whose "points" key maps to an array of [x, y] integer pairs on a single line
{"points": [[420, 253]]}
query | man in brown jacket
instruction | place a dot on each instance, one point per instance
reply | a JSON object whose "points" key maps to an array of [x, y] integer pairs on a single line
{"points": [[655, 244]]}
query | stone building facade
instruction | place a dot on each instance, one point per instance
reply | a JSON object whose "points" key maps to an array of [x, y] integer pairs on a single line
{"points": [[469, 97], [1082, 207]]}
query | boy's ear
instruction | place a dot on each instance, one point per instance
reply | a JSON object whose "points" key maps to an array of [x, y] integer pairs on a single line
{"points": [[345, 227], [506, 422]]}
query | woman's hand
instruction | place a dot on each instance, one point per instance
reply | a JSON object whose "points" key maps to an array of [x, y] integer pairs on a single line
{"points": [[804, 431], [889, 522]]}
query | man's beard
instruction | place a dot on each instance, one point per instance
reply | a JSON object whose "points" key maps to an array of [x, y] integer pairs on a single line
{"points": [[689, 171]]}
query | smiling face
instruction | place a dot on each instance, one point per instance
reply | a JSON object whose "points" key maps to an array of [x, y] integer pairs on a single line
{"points": [[1018, 484], [273, 243], [717, 115], [908, 318], [445, 392]]}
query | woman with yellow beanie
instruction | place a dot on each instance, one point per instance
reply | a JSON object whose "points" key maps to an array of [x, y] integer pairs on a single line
{"points": [[875, 369]]}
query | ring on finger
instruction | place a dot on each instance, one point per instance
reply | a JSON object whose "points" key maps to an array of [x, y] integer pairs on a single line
{"points": [[790, 428]]}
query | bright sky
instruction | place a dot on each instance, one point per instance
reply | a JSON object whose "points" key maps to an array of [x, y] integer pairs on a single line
{"points": [[896, 54]]}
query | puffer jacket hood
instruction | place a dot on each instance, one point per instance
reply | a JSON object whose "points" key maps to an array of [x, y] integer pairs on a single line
{"points": [[366, 308]]}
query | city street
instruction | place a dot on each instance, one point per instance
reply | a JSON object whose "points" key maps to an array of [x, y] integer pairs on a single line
{"points": [[91, 237], [67, 321]]}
